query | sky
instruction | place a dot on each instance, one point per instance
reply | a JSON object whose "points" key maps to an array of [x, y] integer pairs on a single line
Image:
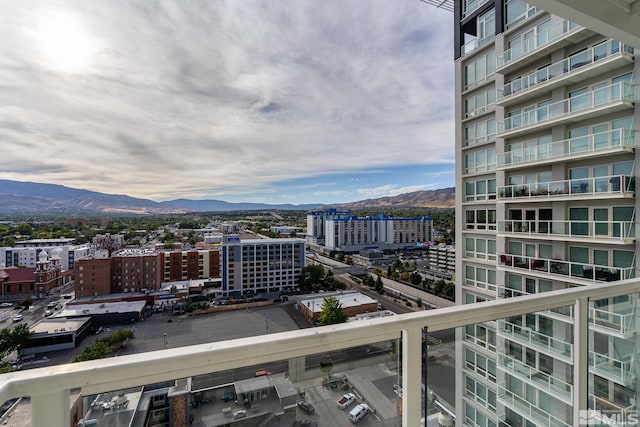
{"points": [[266, 101]]}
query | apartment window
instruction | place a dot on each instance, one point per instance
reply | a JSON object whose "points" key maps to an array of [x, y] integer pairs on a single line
{"points": [[480, 219], [480, 132], [528, 151], [478, 190], [480, 69], [480, 277], [480, 161], [477, 248], [480, 102], [516, 11]]}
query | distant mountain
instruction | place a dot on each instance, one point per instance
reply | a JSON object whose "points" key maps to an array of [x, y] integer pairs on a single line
{"points": [[18, 197], [442, 198]]}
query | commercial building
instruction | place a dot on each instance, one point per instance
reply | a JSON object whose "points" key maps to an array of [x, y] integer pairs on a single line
{"points": [[352, 303], [37, 281], [344, 232], [545, 142], [261, 265], [194, 264], [27, 256]]}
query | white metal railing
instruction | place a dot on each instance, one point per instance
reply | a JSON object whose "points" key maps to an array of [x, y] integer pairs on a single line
{"points": [[49, 387], [579, 104], [535, 376], [578, 229], [565, 67], [594, 186], [532, 338], [568, 148], [528, 44], [569, 269]]}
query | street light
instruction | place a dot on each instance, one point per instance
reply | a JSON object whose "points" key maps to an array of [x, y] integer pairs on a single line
{"points": [[165, 340]]}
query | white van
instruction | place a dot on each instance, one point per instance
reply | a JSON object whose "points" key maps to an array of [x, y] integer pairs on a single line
{"points": [[358, 412]]}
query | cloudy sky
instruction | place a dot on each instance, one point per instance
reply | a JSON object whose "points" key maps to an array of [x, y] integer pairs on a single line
{"points": [[292, 101]]}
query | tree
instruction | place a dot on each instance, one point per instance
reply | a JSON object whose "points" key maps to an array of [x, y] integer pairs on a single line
{"points": [[416, 278], [118, 338], [332, 312], [13, 338], [311, 277], [99, 350], [26, 303], [379, 286]]}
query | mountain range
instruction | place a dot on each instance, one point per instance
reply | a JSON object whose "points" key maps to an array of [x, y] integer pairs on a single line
{"points": [[17, 197]]}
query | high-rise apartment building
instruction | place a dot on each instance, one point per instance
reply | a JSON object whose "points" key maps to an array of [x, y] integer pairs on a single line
{"points": [[545, 200]]}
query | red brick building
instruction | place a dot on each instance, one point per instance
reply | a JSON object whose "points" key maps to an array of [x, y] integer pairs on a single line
{"points": [[92, 277], [38, 281]]}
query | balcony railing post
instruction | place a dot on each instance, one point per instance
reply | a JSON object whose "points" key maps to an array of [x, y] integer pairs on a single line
{"points": [[50, 409], [411, 380], [580, 357]]}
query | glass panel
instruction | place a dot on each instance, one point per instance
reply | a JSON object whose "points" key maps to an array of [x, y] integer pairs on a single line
{"points": [[579, 141], [575, 216], [601, 218]]}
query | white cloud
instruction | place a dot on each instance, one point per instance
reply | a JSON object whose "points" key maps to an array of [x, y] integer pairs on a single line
{"points": [[207, 98]]}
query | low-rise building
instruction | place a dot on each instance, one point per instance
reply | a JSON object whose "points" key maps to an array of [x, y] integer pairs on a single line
{"points": [[352, 303]]}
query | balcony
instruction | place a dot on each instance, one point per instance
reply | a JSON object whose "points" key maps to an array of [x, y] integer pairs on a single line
{"points": [[621, 371], [609, 99], [551, 346], [612, 322], [49, 387], [614, 141], [528, 49], [470, 6], [526, 408], [599, 59], [610, 232], [603, 187], [575, 271], [553, 385]]}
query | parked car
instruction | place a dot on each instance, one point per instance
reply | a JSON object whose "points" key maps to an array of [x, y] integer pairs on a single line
{"points": [[263, 373], [306, 406], [48, 313], [6, 304], [358, 412], [18, 318], [346, 400], [227, 397]]}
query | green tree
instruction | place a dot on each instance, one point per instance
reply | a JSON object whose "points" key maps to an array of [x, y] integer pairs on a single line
{"points": [[332, 312], [311, 277], [379, 286], [13, 338], [99, 350], [26, 303], [416, 278], [118, 338]]}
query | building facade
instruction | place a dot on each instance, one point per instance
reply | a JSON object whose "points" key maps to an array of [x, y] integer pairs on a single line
{"points": [[261, 265], [353, 234], [195, 264], [27, 256], [316, 223], [545, 137]]}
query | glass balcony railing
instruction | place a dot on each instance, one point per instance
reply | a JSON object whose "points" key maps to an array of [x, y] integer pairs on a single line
{"points": [[565, 67], [569, 269], [608, 367], [535, 376], [593, 100], [605, 407], [622, 324], [216, 383], [569, 148], [530, 410], [527, 44], [529, 337], [623, 231], [592, 187], [470, 6]]}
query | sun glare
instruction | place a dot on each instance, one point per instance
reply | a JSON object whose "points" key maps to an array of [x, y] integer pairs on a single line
{"points": [[65, 43]]}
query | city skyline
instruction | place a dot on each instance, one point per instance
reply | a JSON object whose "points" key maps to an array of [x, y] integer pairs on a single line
{"points": [[254, 102]]}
